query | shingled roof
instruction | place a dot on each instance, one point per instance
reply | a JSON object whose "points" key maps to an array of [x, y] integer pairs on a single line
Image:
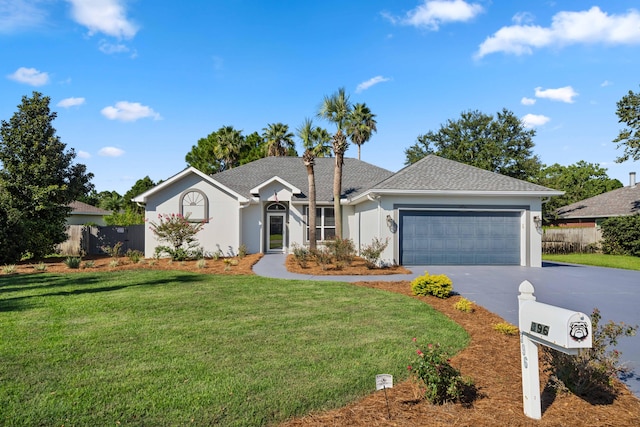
{"points": [[81, 208], [434, 173], [619, 202], [357, 176]]}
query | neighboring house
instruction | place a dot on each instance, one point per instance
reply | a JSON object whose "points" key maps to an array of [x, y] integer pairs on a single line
{"points": [[592, 211], [436, 211], [82, 213]]}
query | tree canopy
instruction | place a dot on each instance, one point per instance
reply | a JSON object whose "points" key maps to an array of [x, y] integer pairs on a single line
{"points": [[499, 144], [629, 138], [218, 151], [579, 181], [38, 179]]}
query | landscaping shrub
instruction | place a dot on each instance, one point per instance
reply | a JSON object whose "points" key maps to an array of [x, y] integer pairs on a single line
{"points": [[464, 305], [322, 256], [242, 251], [301, 254], [441, 382], [593, 371], [343, 250], [371, 253], [180, 233], [112, 251], [505, 328], [438, 285], [134, 255], [9, 268], [621, 235], [73, 262]]}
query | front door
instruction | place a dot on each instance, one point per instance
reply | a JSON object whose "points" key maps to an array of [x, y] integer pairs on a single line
{"points": [[276, 232]]}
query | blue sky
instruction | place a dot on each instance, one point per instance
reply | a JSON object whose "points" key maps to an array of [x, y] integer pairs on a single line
{"points": [[137, 83]]}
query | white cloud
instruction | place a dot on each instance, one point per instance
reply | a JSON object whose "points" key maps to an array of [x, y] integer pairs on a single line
{"points": [[16, 15], [432, 13], [533, 120], [111, 48], [586, 27], [70, 102], [527, 101], [103, 16], [83, 155], [563, 94], [110, 152], [129, 112], [371, 82], [30, 76], [606, 83], [523, 18]]}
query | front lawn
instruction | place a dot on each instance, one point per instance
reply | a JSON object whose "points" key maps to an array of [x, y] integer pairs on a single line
{"points": [[599, 260], [170, 348]]}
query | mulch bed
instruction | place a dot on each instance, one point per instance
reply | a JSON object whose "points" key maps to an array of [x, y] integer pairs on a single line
{"points": [[357, 268]]}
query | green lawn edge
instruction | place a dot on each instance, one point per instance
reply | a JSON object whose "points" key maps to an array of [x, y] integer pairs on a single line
{"points": [[172, 348]]}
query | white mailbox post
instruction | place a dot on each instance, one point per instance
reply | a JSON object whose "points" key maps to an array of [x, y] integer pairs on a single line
{"points": [[561, 329]]}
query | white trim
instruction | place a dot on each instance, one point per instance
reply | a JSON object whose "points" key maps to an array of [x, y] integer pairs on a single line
{"points": [[142, 198], [257, 188], [377, 192], [282, 214]]}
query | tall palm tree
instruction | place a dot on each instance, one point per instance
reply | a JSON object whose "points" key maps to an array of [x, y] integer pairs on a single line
{"points": [[278, 138], [315, 141], [361, 124], [229, 145], [336, 109]]}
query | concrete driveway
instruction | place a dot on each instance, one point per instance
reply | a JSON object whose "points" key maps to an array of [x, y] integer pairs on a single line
{"points": [[616, 293]]}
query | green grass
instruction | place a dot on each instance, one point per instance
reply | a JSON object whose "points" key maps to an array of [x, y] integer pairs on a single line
{"points": [[172, 348], [600, 260]]}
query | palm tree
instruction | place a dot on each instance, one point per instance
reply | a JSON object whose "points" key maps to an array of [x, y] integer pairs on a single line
{"points": [[337, 108], [278, 138], [361, 124], [315, 141], [229, 145]]}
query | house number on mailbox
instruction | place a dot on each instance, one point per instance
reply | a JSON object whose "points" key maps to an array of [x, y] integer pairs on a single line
{"points": [[539, 328]]}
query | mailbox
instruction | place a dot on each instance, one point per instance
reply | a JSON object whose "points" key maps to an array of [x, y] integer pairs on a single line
{"points": [[542, 324], [556, 327]]}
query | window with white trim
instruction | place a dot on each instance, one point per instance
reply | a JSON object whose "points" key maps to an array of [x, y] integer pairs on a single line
{"points": [[194, 205], [325, 223]]}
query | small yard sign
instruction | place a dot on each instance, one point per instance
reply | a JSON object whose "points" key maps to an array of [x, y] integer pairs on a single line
{"points": [[384, 381]]}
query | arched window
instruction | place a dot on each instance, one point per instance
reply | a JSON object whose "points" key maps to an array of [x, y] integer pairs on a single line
{"points": [[276, 207], [194, 205]]}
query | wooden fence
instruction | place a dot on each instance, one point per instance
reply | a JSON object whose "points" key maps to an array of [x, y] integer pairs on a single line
{"points": [[90, 239], [570, 240]]}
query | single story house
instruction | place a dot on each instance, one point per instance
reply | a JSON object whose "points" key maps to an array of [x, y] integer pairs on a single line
{"points": [[591, 212], [435, 211], [83, 213]]}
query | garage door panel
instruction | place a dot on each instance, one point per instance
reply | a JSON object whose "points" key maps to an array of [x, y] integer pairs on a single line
{"points": [[467, 238]]}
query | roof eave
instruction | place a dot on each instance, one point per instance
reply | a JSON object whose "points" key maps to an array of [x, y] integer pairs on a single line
{"points": [[373, 193]]}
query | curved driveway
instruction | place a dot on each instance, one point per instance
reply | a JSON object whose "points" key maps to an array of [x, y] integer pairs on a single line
{"points": [[616, 293]]}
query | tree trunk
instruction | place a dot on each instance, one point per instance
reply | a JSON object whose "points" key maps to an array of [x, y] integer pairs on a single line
{"points": [[339, 147], [312, 205]]}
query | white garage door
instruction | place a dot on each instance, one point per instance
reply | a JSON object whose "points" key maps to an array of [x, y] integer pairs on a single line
{"points": [[459, 238]]}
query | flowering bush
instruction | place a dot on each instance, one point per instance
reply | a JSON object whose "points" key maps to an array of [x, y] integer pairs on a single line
{"points": [[180, 233], [371, 253], [442, 382], [594, 369]]}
